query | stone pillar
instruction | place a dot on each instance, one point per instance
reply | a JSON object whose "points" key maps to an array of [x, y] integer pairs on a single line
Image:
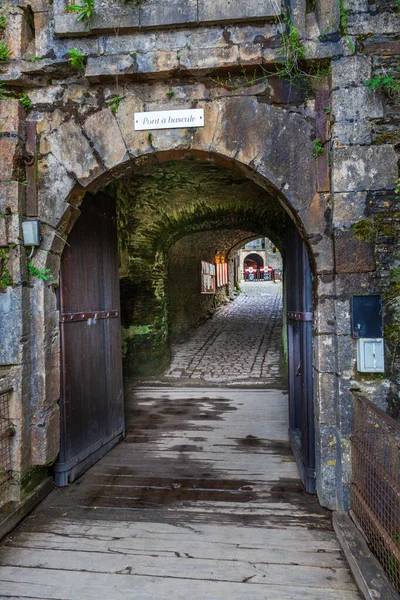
{"points": [[13, 294], [357, 168]]}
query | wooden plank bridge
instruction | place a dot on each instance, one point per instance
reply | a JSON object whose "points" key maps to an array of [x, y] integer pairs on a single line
{"points": [[202, 500]]}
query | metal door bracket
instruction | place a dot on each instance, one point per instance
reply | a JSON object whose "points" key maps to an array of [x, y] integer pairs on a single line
{"points": [[299, 316]]}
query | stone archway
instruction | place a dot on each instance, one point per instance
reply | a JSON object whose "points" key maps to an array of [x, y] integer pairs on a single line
{"points": [[268, 145], [252, 264]]}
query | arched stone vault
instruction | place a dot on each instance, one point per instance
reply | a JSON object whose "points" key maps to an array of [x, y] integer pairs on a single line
{"points": [[269, 145], [156, 207]]}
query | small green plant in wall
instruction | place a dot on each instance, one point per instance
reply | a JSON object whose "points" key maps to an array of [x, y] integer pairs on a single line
{"points": [[114, 104], [76, 59], [318, 148], [83, 11], [5, 54], [386, 83], [43, 274], [344, 15], [170, 94], [26, 101], [3, 21]]}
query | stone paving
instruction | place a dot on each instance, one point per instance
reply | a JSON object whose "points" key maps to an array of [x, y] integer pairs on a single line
{"points": [[241, 343]]}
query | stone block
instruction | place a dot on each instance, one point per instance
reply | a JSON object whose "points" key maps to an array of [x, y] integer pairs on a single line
{"points": [[11, 326], [43, 38], [343, 317], [45, 437], [206, 58], [325, 316], [137, 142], [103, 130], [328, 16], [10, 156], [164, 140], [12, 118], [315, 218], [169, 12], [3, 231], [65, 23], [325, 353], [16, 34], [322, 252], [353, 103], [356, 5], [12, 197], [271, 135], [73, 151], [46, 388], [353, 255], [203, 136], [347, 285], [381, 23], [218, 10], [325, 285], [326, 465], [56, 185], [125, 14], [362, 168], [325, 394], [105, 67], [351, 70], [352, 132], [348, 208]]}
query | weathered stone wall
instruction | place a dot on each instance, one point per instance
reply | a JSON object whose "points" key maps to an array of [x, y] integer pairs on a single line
{"points": [[264, 130]]}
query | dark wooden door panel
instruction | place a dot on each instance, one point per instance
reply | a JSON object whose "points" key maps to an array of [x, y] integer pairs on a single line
{"points": [[91, 404], [298, 286]]}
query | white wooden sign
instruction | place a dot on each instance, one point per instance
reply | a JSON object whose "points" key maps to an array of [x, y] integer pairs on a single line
{"points": [[169, 119]]}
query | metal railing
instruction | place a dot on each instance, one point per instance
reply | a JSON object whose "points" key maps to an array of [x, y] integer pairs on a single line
{"points": [[6, 433], [375, 489]]}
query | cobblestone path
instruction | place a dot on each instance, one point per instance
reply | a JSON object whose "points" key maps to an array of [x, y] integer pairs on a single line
{"points": [[241, 343]]}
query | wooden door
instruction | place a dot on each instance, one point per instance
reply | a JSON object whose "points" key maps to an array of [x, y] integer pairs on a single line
{"points": [[298, 284], [91, 404]]}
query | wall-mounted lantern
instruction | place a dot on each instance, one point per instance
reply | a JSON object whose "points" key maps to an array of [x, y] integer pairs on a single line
{"points": [[31, 234]]}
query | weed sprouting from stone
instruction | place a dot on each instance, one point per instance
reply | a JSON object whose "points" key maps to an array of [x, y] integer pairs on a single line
{"points": [[26, 101], [344, 15], [319, 148], [84, 11], [43, 274], [114, 104], [76, 59], [5, 54], [386, 83]]}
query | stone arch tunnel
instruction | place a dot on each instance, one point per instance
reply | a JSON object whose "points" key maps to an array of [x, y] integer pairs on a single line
{"points": [[171, 217]]}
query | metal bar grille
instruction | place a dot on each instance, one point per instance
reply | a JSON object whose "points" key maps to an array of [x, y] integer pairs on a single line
{"points": [[375, 489], [6, 433]]}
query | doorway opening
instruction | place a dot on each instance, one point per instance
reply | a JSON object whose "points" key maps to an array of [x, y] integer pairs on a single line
{"points": [[253, 267], [150, 234]]}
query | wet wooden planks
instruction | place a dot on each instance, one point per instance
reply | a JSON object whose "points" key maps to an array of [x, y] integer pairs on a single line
{"points": [[202, 500]]}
